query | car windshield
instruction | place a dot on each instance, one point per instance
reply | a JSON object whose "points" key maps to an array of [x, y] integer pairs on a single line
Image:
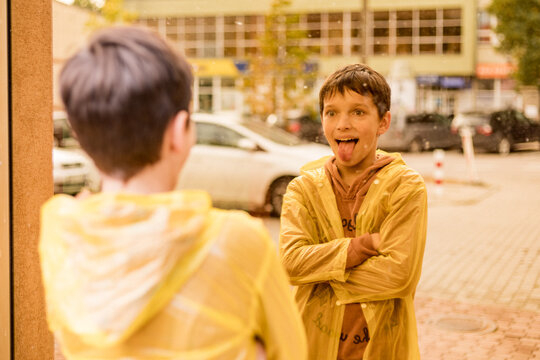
{"points": [[274, 134], [470, 119]]}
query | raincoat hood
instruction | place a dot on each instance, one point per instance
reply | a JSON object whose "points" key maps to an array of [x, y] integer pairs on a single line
{"points": [[112, 261]]}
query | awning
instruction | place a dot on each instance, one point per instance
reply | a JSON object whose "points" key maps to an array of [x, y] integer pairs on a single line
{"points": [[214, 67]]}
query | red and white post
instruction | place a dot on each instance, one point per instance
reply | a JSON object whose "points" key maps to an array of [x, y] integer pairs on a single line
{"points": [[438, 172]]}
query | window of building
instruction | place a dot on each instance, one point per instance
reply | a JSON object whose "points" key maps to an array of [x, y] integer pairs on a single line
{"points": [[403, 32]]}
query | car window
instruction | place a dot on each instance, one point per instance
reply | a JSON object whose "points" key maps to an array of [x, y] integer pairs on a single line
{"points": [[413, 119], [438, 119], [469, 119], [63, 136], [521, 119], [217, 135], [273, 134]]}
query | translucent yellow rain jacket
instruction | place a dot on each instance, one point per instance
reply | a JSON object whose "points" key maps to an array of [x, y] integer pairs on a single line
{"points": [[164, 276], [314, 252]]}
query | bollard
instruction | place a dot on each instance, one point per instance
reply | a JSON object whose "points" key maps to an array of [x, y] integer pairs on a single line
{"points": [[468, 150], [438, 172]]}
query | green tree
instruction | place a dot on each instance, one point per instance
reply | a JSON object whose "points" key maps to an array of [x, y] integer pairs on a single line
{"points": [[518, 31], [86, 4], [111, 12], [277, 75]]}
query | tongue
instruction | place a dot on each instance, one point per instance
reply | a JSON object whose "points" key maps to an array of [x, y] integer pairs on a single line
{"points": [[345, 150]]}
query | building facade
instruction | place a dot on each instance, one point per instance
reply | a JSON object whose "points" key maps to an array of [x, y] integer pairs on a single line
{"points": [[438, 55]]}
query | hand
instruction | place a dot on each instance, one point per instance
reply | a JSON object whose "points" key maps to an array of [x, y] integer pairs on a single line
{"points": [[260, 352], [376, 238]]}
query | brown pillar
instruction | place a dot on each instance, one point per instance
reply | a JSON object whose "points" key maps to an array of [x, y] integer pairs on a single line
{"points": [[5, 283], [31, 169]]}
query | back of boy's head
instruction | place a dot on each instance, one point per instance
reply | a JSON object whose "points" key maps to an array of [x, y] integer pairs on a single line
{"points": [[361, 79], [120, 93]]}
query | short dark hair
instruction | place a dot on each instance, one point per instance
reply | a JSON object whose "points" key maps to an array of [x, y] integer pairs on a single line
{"points": [[361, 79], [120, 93]]}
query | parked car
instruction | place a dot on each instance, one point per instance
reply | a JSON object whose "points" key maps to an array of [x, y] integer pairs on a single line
{"points": [[71, 171], [419, 132], [305, 126], [72, 168], [499, 131], [245, 163]]}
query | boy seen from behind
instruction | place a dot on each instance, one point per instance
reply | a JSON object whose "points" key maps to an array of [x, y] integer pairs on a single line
{"points": [[140, 271], [353, 229]]}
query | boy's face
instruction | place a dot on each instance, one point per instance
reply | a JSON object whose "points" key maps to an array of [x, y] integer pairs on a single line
{"points": [[352, 125]]}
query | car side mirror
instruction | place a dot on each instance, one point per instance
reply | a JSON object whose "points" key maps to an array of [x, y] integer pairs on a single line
{"points": [[247, 144]]}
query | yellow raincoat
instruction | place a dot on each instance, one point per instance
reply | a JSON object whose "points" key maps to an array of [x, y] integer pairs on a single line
{"points": [[164, 276], [314, 252]]}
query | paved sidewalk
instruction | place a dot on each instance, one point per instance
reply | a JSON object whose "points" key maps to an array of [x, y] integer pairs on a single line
{"points": [[450, 330], [479, 295]]}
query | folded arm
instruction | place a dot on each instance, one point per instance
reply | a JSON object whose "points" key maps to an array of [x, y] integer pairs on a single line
{"points": [[396, 271], [308, 253]]}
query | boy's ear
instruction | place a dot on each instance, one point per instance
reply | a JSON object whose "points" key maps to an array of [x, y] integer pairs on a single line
{"points": [[384, 124], [180, 130]]}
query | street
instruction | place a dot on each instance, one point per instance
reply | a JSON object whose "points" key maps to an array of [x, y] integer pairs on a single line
{"points": [[481, 263]]}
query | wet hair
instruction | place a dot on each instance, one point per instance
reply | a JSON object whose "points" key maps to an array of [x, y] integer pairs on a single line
{"points": [[361, 79], [120, 93]]}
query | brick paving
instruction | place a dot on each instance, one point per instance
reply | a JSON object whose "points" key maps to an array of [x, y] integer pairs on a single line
{"points": [[482, 259], [516, 336]]}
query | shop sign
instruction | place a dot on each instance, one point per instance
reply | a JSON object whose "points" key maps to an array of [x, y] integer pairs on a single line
{"points": [[447, 82], [453, 82], [494, 70], [429, 80]]}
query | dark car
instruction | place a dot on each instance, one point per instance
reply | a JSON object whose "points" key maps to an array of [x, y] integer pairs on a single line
{"points": [[419, 132], [499, 131], [306, 127]]}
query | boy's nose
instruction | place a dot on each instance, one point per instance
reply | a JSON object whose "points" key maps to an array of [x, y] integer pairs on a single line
{"points": [[343, 123]]}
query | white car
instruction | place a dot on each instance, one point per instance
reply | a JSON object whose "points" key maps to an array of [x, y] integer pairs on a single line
{"points": [[245, 163], [71, 171], [72, 168]]}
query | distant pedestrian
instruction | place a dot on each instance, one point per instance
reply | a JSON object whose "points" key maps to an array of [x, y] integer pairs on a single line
{"points": [[353, 229], [140, 271]]}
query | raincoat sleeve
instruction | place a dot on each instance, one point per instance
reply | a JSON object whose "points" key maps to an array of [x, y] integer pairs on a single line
{"points": [[308, 254], [282, 330], [395, 272]]}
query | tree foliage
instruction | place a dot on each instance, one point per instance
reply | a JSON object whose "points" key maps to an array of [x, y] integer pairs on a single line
{"points": [[518, 31], [111, 12], [277, 74]]}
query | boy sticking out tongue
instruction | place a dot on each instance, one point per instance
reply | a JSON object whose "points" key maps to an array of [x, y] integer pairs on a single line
{"points": [[353, 229]]}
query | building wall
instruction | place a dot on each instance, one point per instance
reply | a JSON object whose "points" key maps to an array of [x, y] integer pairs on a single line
{"points": [[69, 30], [456, 67]]}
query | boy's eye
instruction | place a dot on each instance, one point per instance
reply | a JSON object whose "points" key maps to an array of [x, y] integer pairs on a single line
{"points": [[330, 113], [359, 112]]}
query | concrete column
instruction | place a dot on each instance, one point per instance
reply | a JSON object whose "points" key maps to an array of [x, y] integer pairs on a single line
{"points": [[216, 94], [497, 97]]}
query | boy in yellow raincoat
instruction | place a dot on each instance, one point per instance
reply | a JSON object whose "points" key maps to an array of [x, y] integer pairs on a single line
{"points": [[353, 229], [140, 271]]}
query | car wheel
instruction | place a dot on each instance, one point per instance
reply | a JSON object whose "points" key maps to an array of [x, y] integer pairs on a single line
{"points": [[504, 146], [276, 192], [415, 146]]}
